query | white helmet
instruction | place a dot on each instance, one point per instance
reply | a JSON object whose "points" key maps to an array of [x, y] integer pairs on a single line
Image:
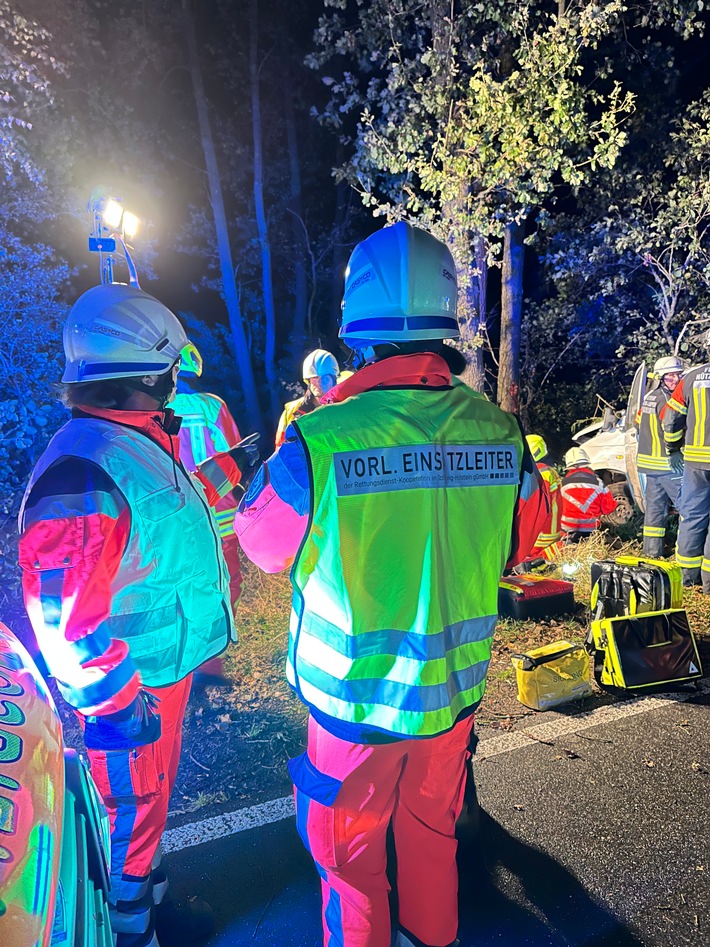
{"points": [[400, 286], [664, 366], [575, 457], [320, 363], [118, 331]]}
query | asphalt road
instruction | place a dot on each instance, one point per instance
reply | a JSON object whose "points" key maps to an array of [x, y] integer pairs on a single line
{"points": [[592, 832]]}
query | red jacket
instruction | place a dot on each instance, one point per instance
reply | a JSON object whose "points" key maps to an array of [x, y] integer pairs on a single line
{"points": [[584, 500]]}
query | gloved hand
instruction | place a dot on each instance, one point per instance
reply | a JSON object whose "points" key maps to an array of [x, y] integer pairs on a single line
{"points": [[246, 453], [677, 462], [138, 724]]}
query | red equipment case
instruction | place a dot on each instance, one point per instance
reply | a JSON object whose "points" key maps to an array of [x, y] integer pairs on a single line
{"points": [[533, 596]]}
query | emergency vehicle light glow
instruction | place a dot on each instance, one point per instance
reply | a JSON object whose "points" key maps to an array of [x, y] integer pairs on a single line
{"points": [[112, 214], [130, 224]]}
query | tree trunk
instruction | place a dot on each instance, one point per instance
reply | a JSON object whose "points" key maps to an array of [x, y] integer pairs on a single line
{"points": [[340, 252], [262, 226], [229, 287], [300, 288], [475, 303], [511, 317], [471, 275]]}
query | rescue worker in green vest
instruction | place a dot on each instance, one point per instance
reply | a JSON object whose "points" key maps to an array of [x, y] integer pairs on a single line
{"points": [[662, 483], [320, 373], [398, 504], [125, 582], [686, 427]]}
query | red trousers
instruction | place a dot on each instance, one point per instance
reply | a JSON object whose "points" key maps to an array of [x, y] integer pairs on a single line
{"points": [[136, 786], [418, 786], [230, 549]]}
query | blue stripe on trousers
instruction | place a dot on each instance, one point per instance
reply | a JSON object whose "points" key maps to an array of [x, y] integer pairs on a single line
{"points": [[334, 918]]}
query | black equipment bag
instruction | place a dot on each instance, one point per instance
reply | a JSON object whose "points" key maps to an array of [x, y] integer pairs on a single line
{"points": [[637, 651], [533, 596], [633, 586]]}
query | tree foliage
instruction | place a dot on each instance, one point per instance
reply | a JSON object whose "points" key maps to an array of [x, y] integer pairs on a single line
{"points": [[470, 117]]}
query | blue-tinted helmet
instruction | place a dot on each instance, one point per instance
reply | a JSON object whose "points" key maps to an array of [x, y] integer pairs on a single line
{"points": [[400, 286]]}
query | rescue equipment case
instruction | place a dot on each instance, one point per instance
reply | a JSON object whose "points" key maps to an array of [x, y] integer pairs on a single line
{"points": [[534, 596], [630, 585], [636, 651], [554, 674]]}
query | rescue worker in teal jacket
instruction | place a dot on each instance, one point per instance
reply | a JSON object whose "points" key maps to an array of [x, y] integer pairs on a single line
{"points": [[124, 579], [398, 505]]}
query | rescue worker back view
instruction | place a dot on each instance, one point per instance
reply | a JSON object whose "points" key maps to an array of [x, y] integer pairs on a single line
{"points": [[686, 425], [585, 499], [662, 482], [125, 583], [547, 543], [398, 504]]}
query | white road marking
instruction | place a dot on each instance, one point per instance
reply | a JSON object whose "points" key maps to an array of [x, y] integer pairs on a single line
{"points": [[195, 833]]}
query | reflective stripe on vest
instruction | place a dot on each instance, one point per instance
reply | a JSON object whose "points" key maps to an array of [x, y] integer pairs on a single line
{"points": [[170, 597], [396, 582], [554, 481]]}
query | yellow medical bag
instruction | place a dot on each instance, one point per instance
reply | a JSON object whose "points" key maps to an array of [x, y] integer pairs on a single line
{"points": [[554, 674]]}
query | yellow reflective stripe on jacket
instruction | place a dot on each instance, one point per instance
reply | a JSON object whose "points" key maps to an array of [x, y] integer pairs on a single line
{"points": [[676, 406], [225, 521], [650, 462], [698, 455], [554, 482], [697, 427]]}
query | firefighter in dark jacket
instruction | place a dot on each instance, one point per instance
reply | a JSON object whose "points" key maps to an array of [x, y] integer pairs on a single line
{"points": [[662, 482], [585, 499], [686, 427]]}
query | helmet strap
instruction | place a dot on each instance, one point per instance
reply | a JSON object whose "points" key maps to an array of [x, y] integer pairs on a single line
{"points": [[161, 391]]}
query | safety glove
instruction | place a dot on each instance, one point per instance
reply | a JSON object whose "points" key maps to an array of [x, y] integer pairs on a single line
{"points": [[246, 453], [677, 462], [138, 724]]}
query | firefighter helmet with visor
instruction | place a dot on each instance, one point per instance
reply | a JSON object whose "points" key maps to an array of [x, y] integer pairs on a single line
{"points": [[400, 286], [537, 445], [669, 365], [119, 331], [575, 457], [319, 363]]}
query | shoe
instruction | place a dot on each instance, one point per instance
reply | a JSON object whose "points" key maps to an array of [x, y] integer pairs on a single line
{"points": [[183, 921]]}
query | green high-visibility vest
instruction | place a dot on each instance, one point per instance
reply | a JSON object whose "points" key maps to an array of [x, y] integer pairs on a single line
{"points": [[170, 599], [396, 581]]}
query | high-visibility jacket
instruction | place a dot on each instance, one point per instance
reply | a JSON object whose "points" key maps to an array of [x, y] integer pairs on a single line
{"points": [[292, 410], [584, 500], [170, 597], [552, 531], [207, 428], [652, 454], [396, 581], [686, 418]]}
